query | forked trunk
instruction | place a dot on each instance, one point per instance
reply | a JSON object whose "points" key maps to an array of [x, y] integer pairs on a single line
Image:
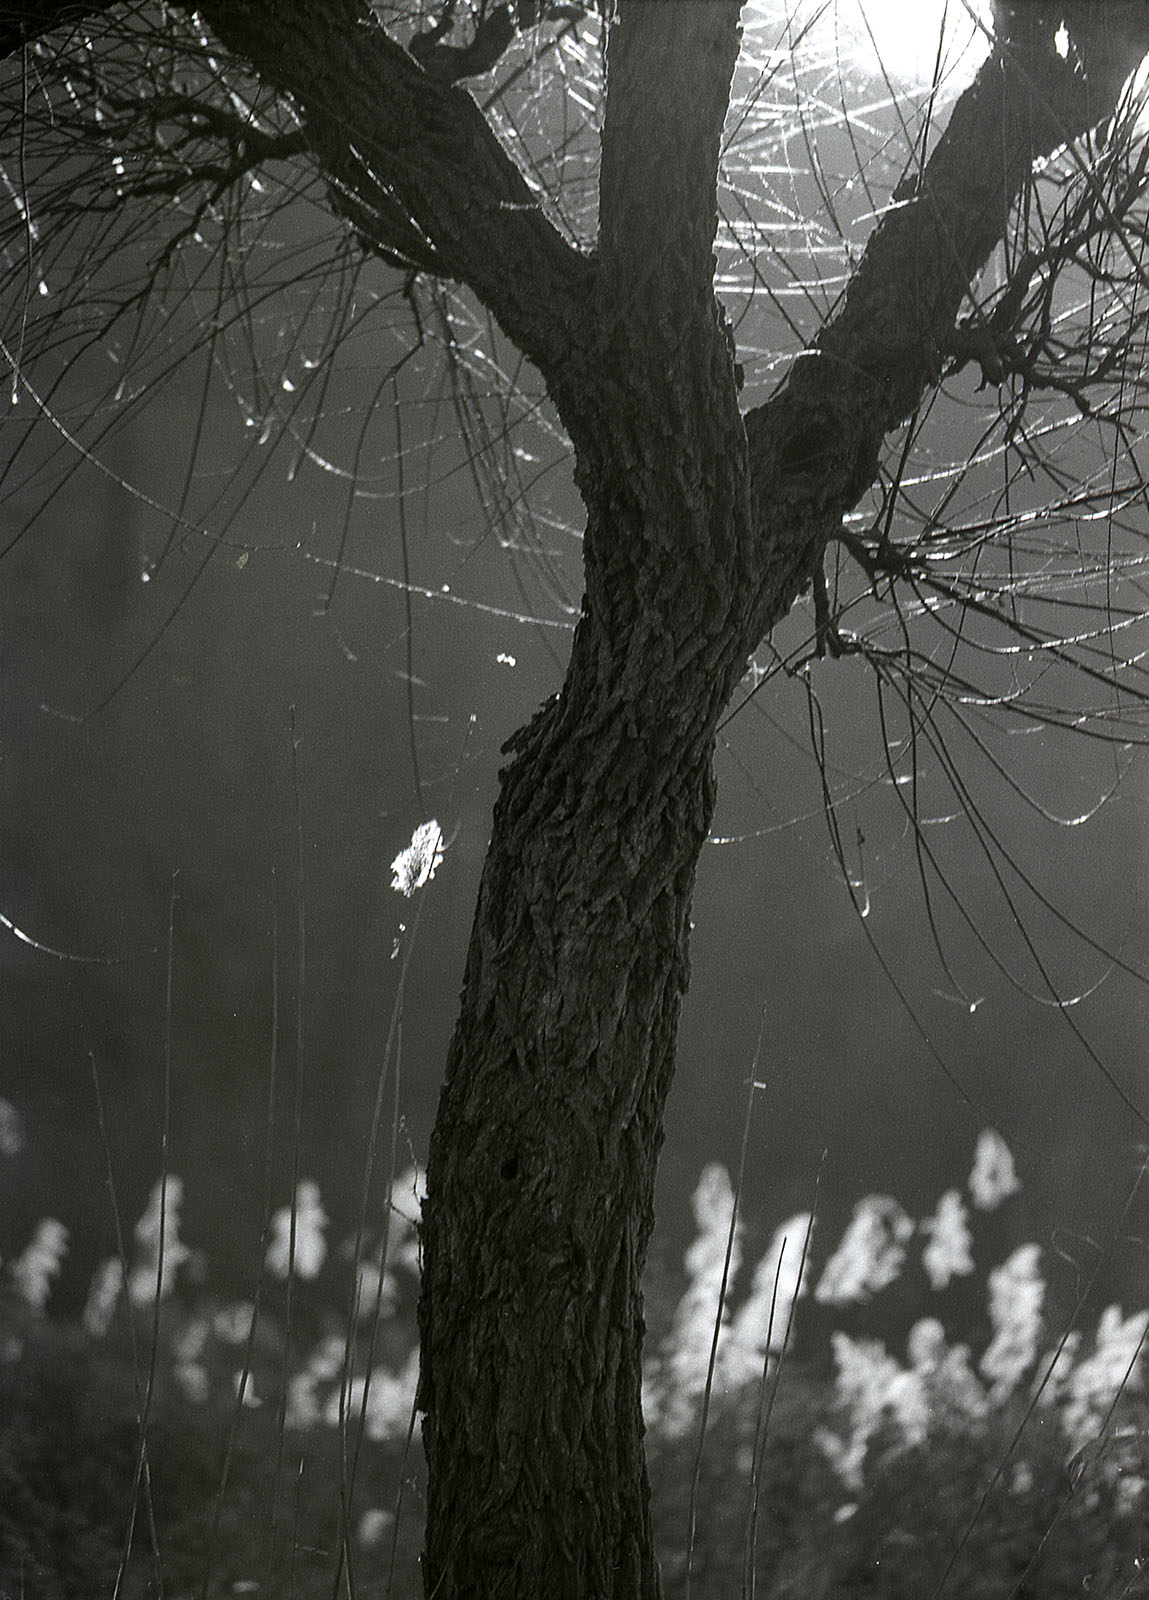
{"points": [[542, 1164]]}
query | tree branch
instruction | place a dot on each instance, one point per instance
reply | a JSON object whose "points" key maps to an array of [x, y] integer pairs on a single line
{"points": [[661, 351], [815, 446], [389, 135], [668, 86]]}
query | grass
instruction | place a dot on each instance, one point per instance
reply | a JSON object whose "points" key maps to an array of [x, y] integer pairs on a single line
{"points": [[212, 1507], [188, 1448]]}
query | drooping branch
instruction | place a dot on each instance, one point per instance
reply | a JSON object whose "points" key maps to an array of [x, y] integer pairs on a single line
{"points": [[815, 446], [239, 144], [1020, 337], [389, 135]]}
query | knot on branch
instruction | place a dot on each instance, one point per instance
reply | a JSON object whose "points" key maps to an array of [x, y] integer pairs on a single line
{"points": [[828, 455]]}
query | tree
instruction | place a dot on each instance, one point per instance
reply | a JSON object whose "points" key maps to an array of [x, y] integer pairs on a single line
{"points": [[706, 520]]}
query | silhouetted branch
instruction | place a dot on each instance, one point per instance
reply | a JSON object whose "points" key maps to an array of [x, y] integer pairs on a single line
{"points": [[815, 447], [383, 128]]}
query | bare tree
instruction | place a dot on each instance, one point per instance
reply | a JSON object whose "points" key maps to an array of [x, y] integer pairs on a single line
{"points": [[1010, 247]]}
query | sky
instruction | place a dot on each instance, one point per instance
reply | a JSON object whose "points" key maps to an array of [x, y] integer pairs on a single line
{"points": [[905, 40]]}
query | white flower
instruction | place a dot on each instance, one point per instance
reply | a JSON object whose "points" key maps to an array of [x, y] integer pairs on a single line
{"points": [[373, 1526], [673, 1389], [1130, 1490], [1057, 1366], [304, 1254], [386, 1400], [324, 1365], [161, 1251], [926, 1345], [1016, 1293], [194, 1381], [867, 1375], [865, 1372], [33, 1272], [415, 865], [232, 1324], [993, 1177], [187, 1360], [948, 1254], [103, 1293], [908, 1405], [1089, 1390], [775, 1285], [870, 1255], [874, 1391], [376, 1293], [950, 1383]]}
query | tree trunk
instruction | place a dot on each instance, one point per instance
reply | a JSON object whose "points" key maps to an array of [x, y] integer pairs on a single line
{"points": [[543, 1160]]}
